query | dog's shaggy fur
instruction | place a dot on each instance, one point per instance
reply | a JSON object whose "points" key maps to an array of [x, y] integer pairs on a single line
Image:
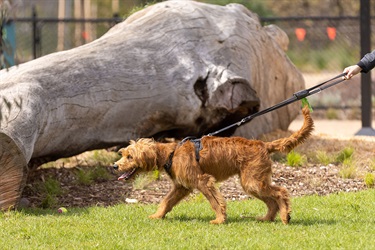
{"points": [[220, 158]]}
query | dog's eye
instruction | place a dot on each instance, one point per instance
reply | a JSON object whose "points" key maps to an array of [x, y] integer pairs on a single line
{"points": [[129, 157]]}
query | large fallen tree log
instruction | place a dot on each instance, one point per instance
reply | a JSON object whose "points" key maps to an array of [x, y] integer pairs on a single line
{"points": [[174, 69]]}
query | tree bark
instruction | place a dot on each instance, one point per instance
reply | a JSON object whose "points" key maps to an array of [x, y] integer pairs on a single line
{"points": [[174, 69]]}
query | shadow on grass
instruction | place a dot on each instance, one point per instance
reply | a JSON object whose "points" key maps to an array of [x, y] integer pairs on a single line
{"points": [[42, 212], [313, 222], [187, 218], [251, 219], [296, 221]]}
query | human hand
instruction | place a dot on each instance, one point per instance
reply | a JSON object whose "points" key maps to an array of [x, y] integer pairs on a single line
{"points": [[351, 71]]}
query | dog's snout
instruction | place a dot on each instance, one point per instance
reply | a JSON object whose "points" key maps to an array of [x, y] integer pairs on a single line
{"points": [[115, 167]]}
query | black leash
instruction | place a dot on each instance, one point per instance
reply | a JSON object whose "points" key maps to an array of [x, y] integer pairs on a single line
{"points": [[296, 96]]}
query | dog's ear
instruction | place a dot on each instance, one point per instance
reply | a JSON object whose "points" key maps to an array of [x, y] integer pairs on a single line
{"points": [[144, 155], [120, 151], [150, 158]]}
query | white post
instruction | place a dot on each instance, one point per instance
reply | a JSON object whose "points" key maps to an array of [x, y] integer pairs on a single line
{"points": [[61, 26]]}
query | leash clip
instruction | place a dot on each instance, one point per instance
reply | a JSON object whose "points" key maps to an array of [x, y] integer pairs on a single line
{"points": [[301, 94]]}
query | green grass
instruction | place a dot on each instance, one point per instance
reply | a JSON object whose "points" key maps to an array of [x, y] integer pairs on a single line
{"points": [[343, 221]]}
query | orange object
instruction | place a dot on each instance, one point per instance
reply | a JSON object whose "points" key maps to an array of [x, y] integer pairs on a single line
{"points": [[300, 34], [331, 32], [85, 35]]}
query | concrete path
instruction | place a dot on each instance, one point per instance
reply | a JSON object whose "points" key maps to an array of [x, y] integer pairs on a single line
{"points": [[335, 128]]}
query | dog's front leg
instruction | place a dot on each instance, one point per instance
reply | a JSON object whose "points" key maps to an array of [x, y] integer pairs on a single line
{"points": [[173, 197]]}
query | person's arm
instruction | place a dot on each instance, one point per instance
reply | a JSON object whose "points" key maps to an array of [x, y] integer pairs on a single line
{"points": [[366, 64]]}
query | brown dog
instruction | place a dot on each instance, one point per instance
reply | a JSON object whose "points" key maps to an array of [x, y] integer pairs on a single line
{"points": [[219, 159]]}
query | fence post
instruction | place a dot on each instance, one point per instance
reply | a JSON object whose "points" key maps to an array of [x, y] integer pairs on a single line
{"points": [[36, 34], [365, 29]]}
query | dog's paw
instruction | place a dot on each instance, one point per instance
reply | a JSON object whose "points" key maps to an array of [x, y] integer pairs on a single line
{"points": [[265, 218], [155, 216], [287, 219], [217, 221]]}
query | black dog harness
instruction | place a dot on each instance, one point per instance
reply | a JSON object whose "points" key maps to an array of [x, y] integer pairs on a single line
{"points": [[198, 147]]}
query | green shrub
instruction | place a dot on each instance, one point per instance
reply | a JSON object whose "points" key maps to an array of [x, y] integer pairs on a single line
{"points": [[156, 174], [345, 154], [348, 169], [99, 173], [86, 176], [48, 201], [295, 159], [141, 7], [320, 61], [323, 158], [257, 6], [142, 180], [372, 163], [369, 180], [49, 190], [83, 177], [348, 172], [331, 114], [52, 186]]}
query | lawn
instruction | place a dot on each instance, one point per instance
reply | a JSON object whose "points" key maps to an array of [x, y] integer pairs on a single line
{"points": [[337, 221]]}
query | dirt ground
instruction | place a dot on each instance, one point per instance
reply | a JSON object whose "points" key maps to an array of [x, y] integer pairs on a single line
{"points": [[309, 179]]}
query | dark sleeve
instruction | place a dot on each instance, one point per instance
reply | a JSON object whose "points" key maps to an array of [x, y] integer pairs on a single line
{"points": [[367, 63]]}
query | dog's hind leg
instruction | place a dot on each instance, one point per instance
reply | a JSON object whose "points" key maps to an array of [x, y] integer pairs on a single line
{"points": [[206, 184], [272, 206], [173, 197], [281, 196], [276, 199]]}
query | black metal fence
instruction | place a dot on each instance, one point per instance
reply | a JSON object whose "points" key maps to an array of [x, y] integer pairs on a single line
{"points": [[37, 36], [317, 44]]}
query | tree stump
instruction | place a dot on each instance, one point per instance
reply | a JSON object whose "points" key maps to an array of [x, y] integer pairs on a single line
{"points": [[174, 69]]}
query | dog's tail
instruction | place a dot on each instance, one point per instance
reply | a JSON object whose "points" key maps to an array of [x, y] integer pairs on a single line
{"points": [[287, 144]]}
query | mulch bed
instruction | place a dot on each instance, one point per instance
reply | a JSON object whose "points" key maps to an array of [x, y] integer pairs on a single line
{"points": [[319, 180]]}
